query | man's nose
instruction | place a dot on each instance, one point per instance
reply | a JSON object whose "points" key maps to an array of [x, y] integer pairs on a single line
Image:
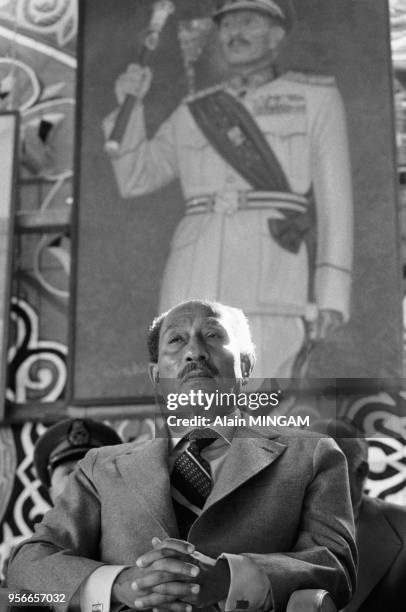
{"points": [[196, 350], [235, 29]]}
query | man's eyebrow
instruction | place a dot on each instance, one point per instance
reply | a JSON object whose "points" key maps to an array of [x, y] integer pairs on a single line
{"points": [[214, 322], [179, 325], [172, 327]]}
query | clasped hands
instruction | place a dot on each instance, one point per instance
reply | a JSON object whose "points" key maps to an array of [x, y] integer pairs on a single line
{"points": [[169, 577]]}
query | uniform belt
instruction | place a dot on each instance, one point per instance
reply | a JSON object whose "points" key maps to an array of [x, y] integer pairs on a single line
{"points": [[230, 201]]}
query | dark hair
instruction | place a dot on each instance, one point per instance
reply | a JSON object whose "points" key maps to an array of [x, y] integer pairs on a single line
{"points": [[153, 337], [238, 321]]}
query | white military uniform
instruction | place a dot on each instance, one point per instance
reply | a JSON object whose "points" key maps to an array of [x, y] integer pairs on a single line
{"points": [[223, 249]]}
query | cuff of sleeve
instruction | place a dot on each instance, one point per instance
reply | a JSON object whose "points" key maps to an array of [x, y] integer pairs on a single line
{"points": [[134, 133], [95, 592], [250, 588], [333, 289]]}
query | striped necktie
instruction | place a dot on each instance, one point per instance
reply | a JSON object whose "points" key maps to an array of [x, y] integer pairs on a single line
{"points": [[191, 478]]}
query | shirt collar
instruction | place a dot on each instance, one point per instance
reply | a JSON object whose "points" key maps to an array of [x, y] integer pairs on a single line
{"points": [[225, 433], [242, 83]]}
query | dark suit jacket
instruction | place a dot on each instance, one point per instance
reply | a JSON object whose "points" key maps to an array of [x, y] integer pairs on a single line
{"points": [[282, 500], [381, 541]]}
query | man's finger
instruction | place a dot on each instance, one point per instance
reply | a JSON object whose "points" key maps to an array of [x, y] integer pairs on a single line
{"points": [[176, 606], [154, 556], [153, 600], [124, 594], [181, 590], [175, 566], [158, 553], [175, 544], [154, 578]]}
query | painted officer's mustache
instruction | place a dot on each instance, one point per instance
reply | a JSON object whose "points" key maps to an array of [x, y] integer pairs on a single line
{"points": [[238, 40], [204, 368]]}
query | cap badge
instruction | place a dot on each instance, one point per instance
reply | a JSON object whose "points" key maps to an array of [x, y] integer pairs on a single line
{"points": [[78, 434]]}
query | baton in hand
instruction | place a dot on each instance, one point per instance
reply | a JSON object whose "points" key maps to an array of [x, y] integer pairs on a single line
{"points": [[160, 13]]}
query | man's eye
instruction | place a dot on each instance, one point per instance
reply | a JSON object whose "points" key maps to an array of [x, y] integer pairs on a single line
{"points": [[175, 339], [213, 334], [253, 23]]}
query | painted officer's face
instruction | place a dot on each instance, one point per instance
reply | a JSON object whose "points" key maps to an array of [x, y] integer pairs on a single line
{"points": [[198, 350], [249, 38]]}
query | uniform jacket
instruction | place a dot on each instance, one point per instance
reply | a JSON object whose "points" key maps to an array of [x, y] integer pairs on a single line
{"points": [[229, 254], [281, 500], [381, 541], [304, 122]]}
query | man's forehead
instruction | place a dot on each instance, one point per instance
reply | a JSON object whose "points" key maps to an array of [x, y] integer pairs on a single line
{"points": [[188, 314], [246, 12], [66, 467]]}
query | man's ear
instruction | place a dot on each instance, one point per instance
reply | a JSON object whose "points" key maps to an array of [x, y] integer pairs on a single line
{"points": [[247, 364], [363, 470], [153, 372], [276, 36]]}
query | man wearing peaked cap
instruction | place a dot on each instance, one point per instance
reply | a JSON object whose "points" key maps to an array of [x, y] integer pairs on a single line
{"points": [[56, 455], [57, 452], [281, 10]]}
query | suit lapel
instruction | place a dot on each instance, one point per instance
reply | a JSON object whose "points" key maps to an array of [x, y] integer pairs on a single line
{"points": [[246, 457], [144, 469], [378, 545], [145, 472]]}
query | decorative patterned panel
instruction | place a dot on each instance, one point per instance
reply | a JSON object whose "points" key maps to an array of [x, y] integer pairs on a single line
{"points": [[37, 368], [382, 418], [27, 503], [23, 500], [56, 19]]}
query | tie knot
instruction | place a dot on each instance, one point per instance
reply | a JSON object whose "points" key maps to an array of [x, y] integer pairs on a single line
{"points": [[201, 438]]}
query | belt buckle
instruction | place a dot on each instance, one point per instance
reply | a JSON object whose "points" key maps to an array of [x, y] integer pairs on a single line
{"points": [[227, 202], [243, 199]]}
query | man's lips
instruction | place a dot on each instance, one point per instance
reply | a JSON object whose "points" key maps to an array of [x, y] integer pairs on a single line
{"points": [[197, 374], [238, 44]]}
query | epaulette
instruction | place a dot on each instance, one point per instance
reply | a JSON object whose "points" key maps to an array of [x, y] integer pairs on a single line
{"points": [[310, 78], [202, 93]]}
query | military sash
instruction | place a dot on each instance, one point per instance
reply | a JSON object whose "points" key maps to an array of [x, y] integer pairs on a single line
{"points": [[235, 135], [232, 131]]}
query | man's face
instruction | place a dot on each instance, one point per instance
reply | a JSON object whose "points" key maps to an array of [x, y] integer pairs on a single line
{"points": [[197, 351], [60, 477], [248, 37]]}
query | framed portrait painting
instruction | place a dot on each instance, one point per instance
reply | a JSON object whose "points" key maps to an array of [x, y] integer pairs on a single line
{"points": [[273, 191]]}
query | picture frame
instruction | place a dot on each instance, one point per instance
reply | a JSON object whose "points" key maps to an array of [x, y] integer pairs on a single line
{"points": [[122, 245], [9, 129]]}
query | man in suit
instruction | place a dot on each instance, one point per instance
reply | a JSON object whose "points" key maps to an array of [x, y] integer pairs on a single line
{"points": [[237, 515], [254, 155], [380, 530]]}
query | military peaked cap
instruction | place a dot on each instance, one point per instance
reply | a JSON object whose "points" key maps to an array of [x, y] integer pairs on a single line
{"points": [[67, 441], [279, 9]]}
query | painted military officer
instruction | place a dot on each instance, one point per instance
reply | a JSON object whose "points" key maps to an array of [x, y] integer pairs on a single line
{"points": [[264, 167]]}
